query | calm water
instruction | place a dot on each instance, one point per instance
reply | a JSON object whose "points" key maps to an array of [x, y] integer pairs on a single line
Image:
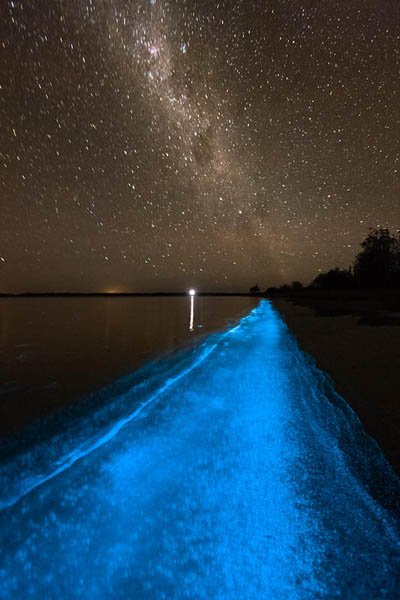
{"points": [[52, 351]]}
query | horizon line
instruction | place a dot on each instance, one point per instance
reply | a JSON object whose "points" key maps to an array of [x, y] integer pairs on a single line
{"points": [[156, 293]]}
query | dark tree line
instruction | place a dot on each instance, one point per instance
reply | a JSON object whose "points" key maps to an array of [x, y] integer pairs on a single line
{"points": [[376, 266]]}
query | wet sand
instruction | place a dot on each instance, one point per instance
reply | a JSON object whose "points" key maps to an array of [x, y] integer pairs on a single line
{"points": [[363, 361]]}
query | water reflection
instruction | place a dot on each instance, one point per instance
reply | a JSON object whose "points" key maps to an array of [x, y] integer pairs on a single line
{"points": [[52, 351], [192, 294]]}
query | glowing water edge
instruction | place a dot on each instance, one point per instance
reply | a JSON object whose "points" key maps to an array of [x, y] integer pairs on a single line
{"points": [[231, 470]]}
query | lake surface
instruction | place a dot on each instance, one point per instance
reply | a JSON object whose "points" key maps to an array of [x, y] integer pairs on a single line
{"points": [[230, 469], [54, 350]]}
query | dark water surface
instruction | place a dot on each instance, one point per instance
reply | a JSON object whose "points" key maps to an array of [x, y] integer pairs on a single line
{"points": [[54, 350]]}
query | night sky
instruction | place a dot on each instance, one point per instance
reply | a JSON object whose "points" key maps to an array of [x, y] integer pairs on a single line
{"points": [[156, 145]]}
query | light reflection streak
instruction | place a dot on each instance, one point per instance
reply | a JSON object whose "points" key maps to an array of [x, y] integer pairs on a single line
{"points": [[191, 324]]}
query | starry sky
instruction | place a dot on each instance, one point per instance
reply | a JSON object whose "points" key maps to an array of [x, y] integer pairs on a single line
{"points": [[160, 144]]}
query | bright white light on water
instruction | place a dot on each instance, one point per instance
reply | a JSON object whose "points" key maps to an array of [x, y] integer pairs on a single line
{"points": [[192, 295]]}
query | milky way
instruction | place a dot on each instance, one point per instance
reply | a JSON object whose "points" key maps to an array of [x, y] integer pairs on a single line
{"points": [[155, 145]]}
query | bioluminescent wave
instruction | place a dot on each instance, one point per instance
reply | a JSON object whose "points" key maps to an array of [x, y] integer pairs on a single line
{"points": [[231, 470]]}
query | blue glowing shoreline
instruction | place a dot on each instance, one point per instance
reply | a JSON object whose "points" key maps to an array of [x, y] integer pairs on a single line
{"points": [[228, 470]]}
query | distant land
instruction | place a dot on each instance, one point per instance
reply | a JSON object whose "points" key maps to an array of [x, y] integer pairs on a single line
{"points": [[114, 294]]}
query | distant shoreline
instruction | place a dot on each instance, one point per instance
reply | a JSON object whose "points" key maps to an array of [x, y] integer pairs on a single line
{"points": [[118, 294]]}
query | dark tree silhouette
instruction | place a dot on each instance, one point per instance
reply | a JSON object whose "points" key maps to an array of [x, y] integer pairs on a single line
{"points": [[255, 289], [335, 279], [378, 264], [285, 289]]}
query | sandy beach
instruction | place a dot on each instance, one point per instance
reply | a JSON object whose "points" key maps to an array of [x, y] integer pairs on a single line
{"points": [[364, 363]]}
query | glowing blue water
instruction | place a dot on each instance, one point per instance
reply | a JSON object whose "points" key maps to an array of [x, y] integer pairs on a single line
{"points": [[229, 471]]}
